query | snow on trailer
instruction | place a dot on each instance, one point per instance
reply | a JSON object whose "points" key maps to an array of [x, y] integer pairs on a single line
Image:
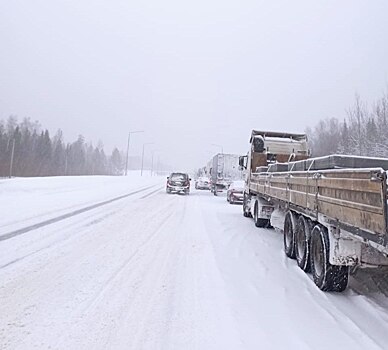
{"points": [[333, 217]]}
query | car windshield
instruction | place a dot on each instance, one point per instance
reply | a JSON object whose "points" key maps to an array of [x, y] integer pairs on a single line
{"points": [[178, 177]]}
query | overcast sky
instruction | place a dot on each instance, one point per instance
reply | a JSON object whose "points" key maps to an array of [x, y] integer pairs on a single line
{"points": [[189, 73]]}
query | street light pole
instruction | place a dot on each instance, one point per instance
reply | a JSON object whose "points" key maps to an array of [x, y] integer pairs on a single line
{"points": [[142, 157], [158, 167], [152, 162], [126, 160]]}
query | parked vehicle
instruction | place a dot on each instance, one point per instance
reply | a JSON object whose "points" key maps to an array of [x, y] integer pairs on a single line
{"points": [[235, 193], [178, 183], [202, 183], [332, 210], [224, 170]]}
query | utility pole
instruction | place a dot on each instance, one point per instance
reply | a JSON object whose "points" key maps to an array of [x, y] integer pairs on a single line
{"points": [[152, 162], [12, 154], [142, 156], [126, 159]]}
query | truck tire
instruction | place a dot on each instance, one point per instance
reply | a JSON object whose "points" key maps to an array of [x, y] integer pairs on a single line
{"points": [[289, 236], [258, 221], [246, 211], [302, 243], [327, 277]]}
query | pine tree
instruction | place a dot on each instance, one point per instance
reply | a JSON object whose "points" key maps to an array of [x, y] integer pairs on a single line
{"points": [[116, 163]]}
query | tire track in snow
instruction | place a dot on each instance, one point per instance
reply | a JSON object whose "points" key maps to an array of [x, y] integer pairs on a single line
{"points": [[21, 231], [152, 321], [151, 193], [93, 221], [122, 267], [54, 243], [65, 280], [133, 270]]}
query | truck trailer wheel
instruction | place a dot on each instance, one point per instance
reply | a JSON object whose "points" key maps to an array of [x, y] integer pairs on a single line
{"points": [[328, 277], [289, 236], [302, 243], [246, 211], [258, 221]]}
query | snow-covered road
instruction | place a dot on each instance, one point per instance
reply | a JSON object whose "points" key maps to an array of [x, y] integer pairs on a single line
{"points": [[158, 271]]}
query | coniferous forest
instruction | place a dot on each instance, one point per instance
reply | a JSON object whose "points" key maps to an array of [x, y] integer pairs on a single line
{"points": [[37, 153], [364, 131]]}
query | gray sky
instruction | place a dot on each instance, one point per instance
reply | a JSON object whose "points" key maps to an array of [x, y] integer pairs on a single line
{"points": [[189, 73]]}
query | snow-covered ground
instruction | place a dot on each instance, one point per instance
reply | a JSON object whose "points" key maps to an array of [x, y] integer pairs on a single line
{"points": [[159, 271], [26, 201]]}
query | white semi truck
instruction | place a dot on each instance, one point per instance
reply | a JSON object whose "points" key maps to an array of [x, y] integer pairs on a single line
{"points": [[224, 170]]}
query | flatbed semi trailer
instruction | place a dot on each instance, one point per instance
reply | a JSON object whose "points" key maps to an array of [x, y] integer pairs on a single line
{"points": [[332, 218]]}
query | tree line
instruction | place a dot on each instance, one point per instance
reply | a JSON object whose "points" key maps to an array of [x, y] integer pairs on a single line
{"points": [[363, 132], [36, 153]]}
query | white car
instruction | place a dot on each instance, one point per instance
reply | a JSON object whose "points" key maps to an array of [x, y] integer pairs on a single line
{"points": [[202, 183]]}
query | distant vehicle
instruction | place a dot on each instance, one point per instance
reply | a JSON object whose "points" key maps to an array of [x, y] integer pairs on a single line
{"points": [[202, 183], [225, 169], [178, 183], [235, 193]]}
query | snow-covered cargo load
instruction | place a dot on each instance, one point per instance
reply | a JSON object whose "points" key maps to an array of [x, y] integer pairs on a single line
{"points": [[332, 218], [338, 161]]}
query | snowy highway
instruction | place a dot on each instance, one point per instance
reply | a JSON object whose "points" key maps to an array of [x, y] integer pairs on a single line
{"points": [[150, 270]]}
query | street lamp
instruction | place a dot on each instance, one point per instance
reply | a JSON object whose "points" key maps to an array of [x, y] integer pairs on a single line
{"points": [[158, 166], [153, 165], [126, 160], [142, 156], [152, 162]]}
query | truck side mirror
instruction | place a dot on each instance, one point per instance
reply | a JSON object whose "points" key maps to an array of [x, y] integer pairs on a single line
{"points": [[242, 162]]}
